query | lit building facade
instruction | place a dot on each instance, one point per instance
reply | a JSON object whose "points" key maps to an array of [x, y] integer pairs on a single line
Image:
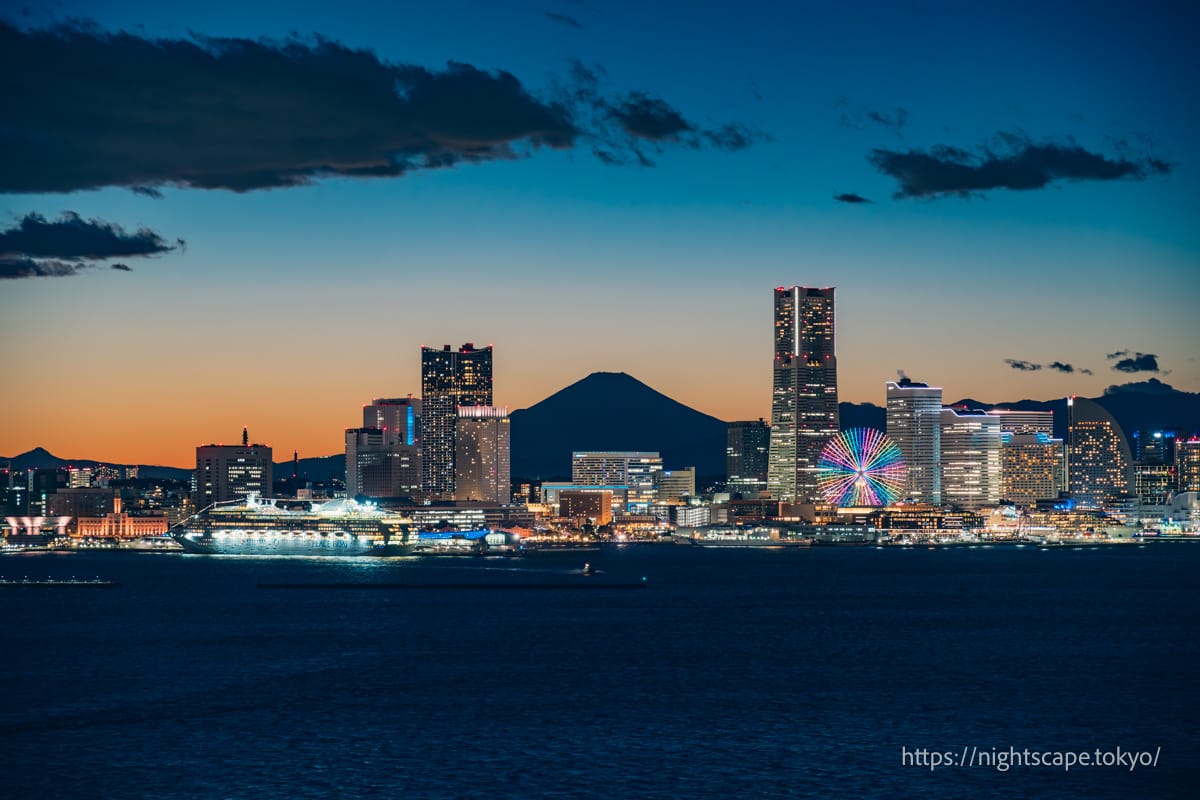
{"points": [[1187, 464], [675, 484], [746, 447], [1025, 422], [449, 379], [633, 470], [551, 492], [230, 472], [482, 454], [1033, 466], [804, 404], [119, 524], [914, 423], [1153, 483], [594, 506], [970, 458], [1099, 463]]}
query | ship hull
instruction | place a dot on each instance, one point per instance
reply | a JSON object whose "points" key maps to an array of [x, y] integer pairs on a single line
{"points": [[290, 545]]}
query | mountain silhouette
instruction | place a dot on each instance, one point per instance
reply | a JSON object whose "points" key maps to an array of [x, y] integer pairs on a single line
{"points": [[613, 411]]}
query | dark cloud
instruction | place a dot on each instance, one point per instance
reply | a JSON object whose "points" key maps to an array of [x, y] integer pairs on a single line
{"points": [[1140, 362], [122, 267], [73, 238], [20, 267], [1064, 367], [36, 246], [1024, 366], [649, 117], [1117, 354], [850, 197], [1012, 161], [95, 109], [563, 19]]}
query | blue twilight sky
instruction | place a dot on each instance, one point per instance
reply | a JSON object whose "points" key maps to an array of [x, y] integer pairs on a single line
{"points": [[303, 303]]}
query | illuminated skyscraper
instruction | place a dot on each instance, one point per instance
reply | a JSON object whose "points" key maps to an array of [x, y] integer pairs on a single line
{"points": [[449, 379], [481, 459], [970, 458], [1187, 464], [804, 404], [914, 423], [746, 448], [228, 472], [1099, 464]]}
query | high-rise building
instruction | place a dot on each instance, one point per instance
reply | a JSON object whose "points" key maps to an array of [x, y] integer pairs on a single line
{"points": [[229, 472], [449, 379], [398, 417], [914, 423], [1033, 466], [1187, 464], [970, 458], [746, 447], [633, 470], [380, 465], [1025, 422], [481, 459], [1099, 463], [804, 403], [383, 457]]}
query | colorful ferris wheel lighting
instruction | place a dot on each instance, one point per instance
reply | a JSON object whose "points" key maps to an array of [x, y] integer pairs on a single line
{"points": [[861, 467]]}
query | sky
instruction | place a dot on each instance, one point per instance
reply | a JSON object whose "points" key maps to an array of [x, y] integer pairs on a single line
{"points": [[256, 213]]}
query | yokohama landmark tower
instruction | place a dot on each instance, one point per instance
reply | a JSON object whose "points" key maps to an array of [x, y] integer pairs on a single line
{"points": [[804, 400]]}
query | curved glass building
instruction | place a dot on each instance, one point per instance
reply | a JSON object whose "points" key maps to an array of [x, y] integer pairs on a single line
{"points": [[1099, 462]]}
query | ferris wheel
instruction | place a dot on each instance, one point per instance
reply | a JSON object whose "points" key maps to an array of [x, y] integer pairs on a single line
{"points": [[861, 467]]}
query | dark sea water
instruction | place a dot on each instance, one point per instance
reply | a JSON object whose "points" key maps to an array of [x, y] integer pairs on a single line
{"points": [[735, 673]]}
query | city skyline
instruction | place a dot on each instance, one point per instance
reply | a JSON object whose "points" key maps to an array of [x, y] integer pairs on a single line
{"points": [[571, 265]]}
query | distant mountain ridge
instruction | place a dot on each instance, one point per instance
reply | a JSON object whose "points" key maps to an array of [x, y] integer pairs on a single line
{"points": [[615, 411]]}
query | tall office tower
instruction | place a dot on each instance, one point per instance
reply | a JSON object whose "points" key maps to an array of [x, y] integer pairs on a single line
{"points": [[398, 417], [229, 472], [481, 455], [746, 447], [449, 379], [914, 423], [633, 470], [804, 405], [1033, 466], [381, 465], [970, 458], [1187, 464], [1024, 421], [1099, 464]]}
